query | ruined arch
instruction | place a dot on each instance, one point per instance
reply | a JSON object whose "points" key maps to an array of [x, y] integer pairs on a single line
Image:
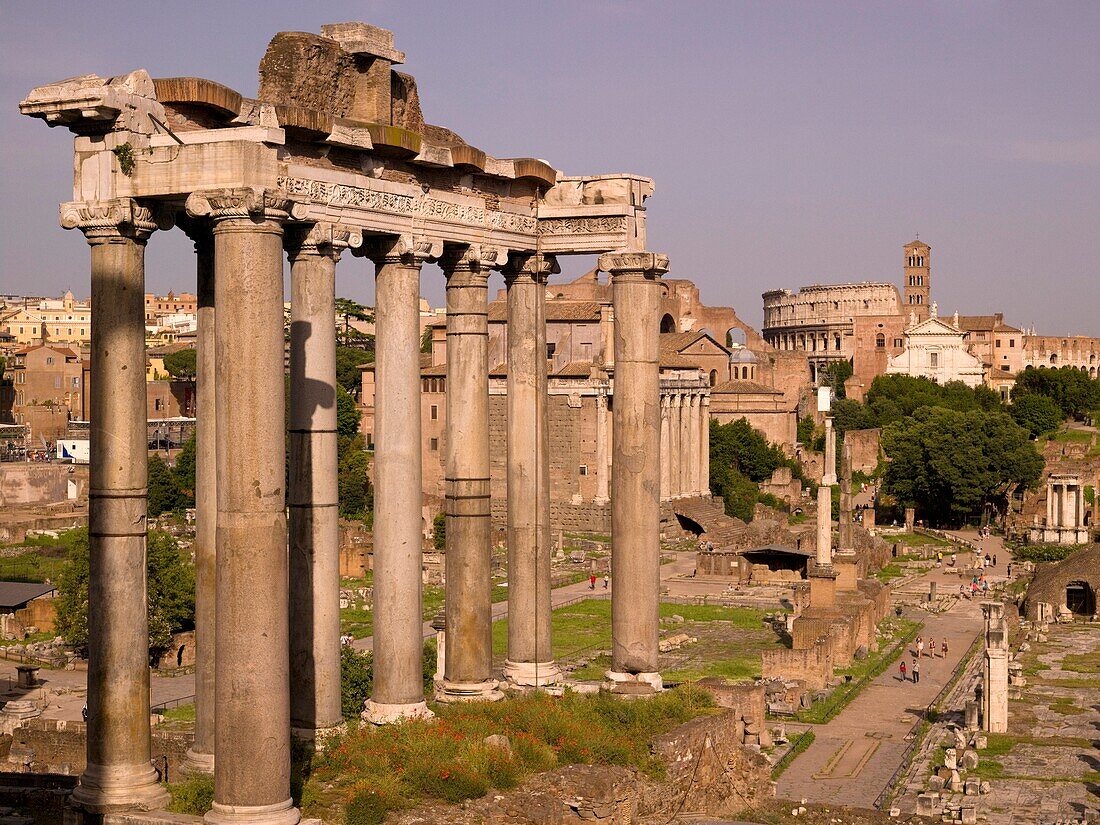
{"points": [[668, 323], [1080, 598]]}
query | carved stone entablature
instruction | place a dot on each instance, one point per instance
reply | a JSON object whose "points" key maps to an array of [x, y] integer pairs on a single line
{"points": [[322, 238], [115, 217], [534, 266], [410, 250], [583, 226], [408, 204], [246, 202], [645, 264], [474, 257], [90, 104]]}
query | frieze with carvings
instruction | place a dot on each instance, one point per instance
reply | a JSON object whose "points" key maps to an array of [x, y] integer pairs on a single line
{"points": [[582, 226], [339, 194]]}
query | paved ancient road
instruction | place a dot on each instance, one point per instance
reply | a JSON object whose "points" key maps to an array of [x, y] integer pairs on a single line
{"points": [[854, 756]]}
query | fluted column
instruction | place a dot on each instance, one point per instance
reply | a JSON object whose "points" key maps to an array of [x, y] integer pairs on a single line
{"points": [[530, 656], [398, 690], [704, 445], [635, 481], [314, 528], [666, 468], [696, 437], [469, 662], [252, 680], [603, 466], [200, 756], [684, 449], [674, 457], [118, 776]]}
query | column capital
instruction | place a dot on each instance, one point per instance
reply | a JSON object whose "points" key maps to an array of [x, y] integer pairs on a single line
{"points": [[322, 239], [649, 265], [199, 230], [101, 221], [254, 203], [530, 266], [407, 250], [472, 257]]}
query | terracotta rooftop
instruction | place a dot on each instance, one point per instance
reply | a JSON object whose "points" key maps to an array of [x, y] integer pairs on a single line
{"points": [[743, 388], [557, 309], [672, 342]]}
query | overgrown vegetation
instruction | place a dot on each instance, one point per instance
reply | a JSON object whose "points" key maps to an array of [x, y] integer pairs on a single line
{"points": [[357, 677], [378, 770], [740, 458], [1038, 553], [1072, 390]]}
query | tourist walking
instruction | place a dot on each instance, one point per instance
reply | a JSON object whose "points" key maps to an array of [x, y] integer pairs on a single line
{"points": [[606, 581], [916, 671], [920, 646], [943, 647], [902, 669], [994, 559], [931, 647], [592, 582]]}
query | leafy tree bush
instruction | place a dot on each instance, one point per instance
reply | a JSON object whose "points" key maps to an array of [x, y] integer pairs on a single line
{"points": [[740, 458], [347, 414], [1038, 414], [182, 364], [164, 492], [184, 471], [835, 374], [949, 464], [348, 361], [439, 532], [1070, 388], [356, 498], [805, 432], [171, 592], [356, 680], [1038, 553]]}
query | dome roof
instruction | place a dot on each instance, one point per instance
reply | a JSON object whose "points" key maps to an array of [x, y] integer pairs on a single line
{"points": [[742, 355]]}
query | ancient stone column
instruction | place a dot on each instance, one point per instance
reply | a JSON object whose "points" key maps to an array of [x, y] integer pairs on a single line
{"points": [[635, 481], [696, 440], [252, 679], [674, 457], [684, 446], [846, 497], [995, 671], [1050, 503], [829, 476], [666, 470], [118, 776], [603, 467], [469, 665], [530, 656], [312, 497], [704, 446], [200, 756], [398, 691], [1069, 505]]}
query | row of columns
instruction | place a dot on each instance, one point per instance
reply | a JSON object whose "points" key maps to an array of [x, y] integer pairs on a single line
{"points": [[685, 444], [267, 622], [1065, 503]]}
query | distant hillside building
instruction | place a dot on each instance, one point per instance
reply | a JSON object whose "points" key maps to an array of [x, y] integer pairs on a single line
{"points": [[936, 349]]}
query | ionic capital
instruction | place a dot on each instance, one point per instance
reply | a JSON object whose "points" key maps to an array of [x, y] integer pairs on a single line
{"points": [[530, 265], [406, 250], [249, 202], [116, 218], [649, 265], [322, 239], [473, 257]]}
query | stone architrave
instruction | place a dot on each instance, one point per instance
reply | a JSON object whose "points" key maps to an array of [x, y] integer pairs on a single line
{"points": [[252, 715], [314, 528], [530, 656], [635, 473], [119, 776], [469, 665], [398, 691]]}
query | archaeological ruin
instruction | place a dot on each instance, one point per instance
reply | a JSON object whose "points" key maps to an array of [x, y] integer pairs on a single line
{"points": [[333, 156]]}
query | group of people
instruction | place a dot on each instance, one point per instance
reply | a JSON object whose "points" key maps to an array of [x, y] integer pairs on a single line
{"points": [[592, 581], [923, 647]]}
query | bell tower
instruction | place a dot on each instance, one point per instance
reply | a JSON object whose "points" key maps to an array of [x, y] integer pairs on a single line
{"points": [[917, 280]]}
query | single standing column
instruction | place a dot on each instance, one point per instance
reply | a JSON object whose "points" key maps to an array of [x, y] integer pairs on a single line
{"points": [[469, 665], [200, 756], [1069, 506], [666, 469], [696, 437], [685, 444], [252, 679], [530, 656], [118, 776], [312, 498], [635, 480], [704, 445], [1050, 504], [674, 457], [603, 468], [398, 690], [829, 476]]}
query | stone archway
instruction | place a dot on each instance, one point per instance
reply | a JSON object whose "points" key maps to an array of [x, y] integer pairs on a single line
{"points": [[1080, 598], [668, 323]]}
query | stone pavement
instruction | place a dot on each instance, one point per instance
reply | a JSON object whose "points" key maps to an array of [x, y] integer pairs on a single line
{"points": [[854, 756]]}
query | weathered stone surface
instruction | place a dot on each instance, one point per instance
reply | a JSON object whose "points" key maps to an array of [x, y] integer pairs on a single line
{"points": [[308, 70]]}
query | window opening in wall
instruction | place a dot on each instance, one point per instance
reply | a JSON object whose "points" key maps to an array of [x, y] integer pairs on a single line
{"points": [[435, 412], [933, 359], [433, 445], [583, 470]]}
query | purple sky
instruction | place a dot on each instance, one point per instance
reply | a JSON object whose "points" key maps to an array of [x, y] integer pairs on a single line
{"points": [[791, 143]]}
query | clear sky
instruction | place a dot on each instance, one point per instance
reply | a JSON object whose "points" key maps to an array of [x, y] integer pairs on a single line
{"points": [[791, 142]]}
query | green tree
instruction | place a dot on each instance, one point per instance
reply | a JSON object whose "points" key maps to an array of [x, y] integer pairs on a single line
{"points": [[347, 414], [348, 361], [164, 492], [949, 464], [171, 592], [182, 364], [835, 374], [184, 471], [1038, 414], [356, 499], [439, 532], [426, 340], [740, 458], [356, 681], [1070, 388]]}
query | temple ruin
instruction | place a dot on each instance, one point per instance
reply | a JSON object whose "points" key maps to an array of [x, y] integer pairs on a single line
{"points": [[334, 156]]}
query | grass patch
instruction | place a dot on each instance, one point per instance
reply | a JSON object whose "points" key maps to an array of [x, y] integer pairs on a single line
{"points": [[800, 745], [918, 540], [1067, 707], [359, 621], [194, 795], [35, 565], [373, 771], [889, 572], [1082, 662], [183, 713], [1072, 437]]}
